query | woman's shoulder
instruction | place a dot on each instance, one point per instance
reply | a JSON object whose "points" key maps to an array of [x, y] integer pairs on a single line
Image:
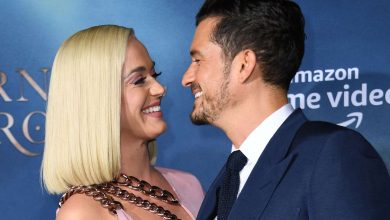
{"points": [[187, 187], [81, 206], [178, 174], [182, 181]]}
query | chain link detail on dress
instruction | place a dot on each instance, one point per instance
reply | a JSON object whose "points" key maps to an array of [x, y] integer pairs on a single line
{"points": [[93, 190], [102, 192], [145, 188]]}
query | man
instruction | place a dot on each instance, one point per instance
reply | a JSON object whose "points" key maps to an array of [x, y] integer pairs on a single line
{"points": [[244, 55]]}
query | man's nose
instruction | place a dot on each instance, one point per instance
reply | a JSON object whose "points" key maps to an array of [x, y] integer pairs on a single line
{"points": [[188, 78]]}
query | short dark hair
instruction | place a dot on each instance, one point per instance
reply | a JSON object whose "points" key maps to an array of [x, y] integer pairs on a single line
{"points": [[273, 29]]}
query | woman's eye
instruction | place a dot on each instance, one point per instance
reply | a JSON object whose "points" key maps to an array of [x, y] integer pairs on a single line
{"points": [[155, 75], [139, 81]]}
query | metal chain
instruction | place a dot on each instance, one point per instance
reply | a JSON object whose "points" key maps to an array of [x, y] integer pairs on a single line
{"points": [[138, 201], [100, 193], [145, 188], [105, 200]]}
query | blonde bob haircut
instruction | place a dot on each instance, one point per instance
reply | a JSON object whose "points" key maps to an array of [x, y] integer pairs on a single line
{"points": [[82, 140]]}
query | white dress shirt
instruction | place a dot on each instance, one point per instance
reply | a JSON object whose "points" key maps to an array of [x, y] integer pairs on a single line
{"points": [[253, 146]]}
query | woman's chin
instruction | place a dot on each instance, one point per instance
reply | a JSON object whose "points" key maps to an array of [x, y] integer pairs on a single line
{"points": [[158, 130]]}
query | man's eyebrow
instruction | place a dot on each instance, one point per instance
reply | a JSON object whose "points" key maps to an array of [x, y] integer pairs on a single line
{"points": [[194, 52]]}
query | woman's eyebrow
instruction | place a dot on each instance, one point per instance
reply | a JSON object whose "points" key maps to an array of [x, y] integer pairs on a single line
{"points": [[135, 70], [139, 69]]}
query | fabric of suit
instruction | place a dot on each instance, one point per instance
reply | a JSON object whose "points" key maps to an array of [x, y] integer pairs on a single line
{"points": [[311, 170]]}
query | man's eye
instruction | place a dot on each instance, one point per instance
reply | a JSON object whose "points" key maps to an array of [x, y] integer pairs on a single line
{"points": [[196, 61], [139, 81]]}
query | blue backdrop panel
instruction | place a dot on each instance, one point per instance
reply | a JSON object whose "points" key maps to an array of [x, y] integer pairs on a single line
{"points": [[344, 78]]}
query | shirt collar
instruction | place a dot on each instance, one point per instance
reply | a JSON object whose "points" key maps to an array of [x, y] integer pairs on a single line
{"points": [[257, 140]]}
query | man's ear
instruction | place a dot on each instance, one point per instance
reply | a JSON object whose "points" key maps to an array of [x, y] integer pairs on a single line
{"points": [[245, 62]]}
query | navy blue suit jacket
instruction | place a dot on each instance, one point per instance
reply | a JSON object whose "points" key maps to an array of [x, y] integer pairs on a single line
{"points": [[311, 170]]}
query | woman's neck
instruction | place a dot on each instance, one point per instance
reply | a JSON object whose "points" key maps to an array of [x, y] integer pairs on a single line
{"points": [[135, 160]]}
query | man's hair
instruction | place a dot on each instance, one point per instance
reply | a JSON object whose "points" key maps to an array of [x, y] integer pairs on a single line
{"points": [[82, 139], [273, 29]]}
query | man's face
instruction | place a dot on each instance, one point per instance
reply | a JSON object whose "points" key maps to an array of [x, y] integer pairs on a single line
{"points": [[207, 76]]}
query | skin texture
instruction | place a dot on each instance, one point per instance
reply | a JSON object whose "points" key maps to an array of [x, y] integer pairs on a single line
{"points": [[235, 97], [212, 78], [140, 90]]}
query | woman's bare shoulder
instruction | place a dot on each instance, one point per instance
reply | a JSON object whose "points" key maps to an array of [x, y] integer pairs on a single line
{"points": [[81, 206]]}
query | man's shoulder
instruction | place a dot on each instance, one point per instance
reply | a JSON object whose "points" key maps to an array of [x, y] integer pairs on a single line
{"points": [[315, 135], [323, 129], [333, 140], [323, 126]]}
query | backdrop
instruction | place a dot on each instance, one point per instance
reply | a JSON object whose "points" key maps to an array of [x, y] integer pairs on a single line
{"points": [[344, 78]]}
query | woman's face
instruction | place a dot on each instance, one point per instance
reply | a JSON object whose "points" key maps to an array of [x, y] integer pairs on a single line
{"points": [[141, 116]]}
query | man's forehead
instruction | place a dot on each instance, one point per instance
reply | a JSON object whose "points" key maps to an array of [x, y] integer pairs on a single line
{"points": [[202, 35], [206, 27]]}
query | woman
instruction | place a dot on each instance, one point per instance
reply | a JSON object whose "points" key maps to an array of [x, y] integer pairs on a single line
{"points": [[103, 110]]}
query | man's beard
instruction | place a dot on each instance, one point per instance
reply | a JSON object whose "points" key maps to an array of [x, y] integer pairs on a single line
{"points": [[210, 108]]}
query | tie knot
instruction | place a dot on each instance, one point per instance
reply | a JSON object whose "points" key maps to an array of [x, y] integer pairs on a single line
{"points": [[236, 161]]}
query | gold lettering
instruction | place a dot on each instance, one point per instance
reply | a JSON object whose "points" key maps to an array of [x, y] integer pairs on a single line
{"points": [[45, 70], [11, 138], [26, 123], [3, 81], [32, 82]]}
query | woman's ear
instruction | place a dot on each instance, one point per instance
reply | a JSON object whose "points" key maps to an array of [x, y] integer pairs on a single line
{"points": [[245, 61]]}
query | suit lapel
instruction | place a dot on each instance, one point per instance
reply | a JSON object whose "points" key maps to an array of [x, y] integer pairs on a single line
{"points": [[268, 171], [208, 209]]}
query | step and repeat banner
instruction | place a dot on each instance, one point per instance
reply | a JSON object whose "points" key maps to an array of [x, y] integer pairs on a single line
{"points": [[344, 78]]}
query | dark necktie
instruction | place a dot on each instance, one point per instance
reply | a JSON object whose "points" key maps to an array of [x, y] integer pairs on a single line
{"points": [[231, 182]]}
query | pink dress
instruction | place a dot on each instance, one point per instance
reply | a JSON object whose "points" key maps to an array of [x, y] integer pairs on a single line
{"points": [[187, 188]]}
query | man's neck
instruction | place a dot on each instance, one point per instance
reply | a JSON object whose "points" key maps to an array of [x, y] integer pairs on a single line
{"points": [[240, 122]]}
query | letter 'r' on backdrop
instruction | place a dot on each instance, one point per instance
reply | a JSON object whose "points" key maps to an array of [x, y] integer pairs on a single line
{"points": [[344, 78]]}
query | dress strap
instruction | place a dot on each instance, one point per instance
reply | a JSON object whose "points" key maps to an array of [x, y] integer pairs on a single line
{"points": [[96, 193]]}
